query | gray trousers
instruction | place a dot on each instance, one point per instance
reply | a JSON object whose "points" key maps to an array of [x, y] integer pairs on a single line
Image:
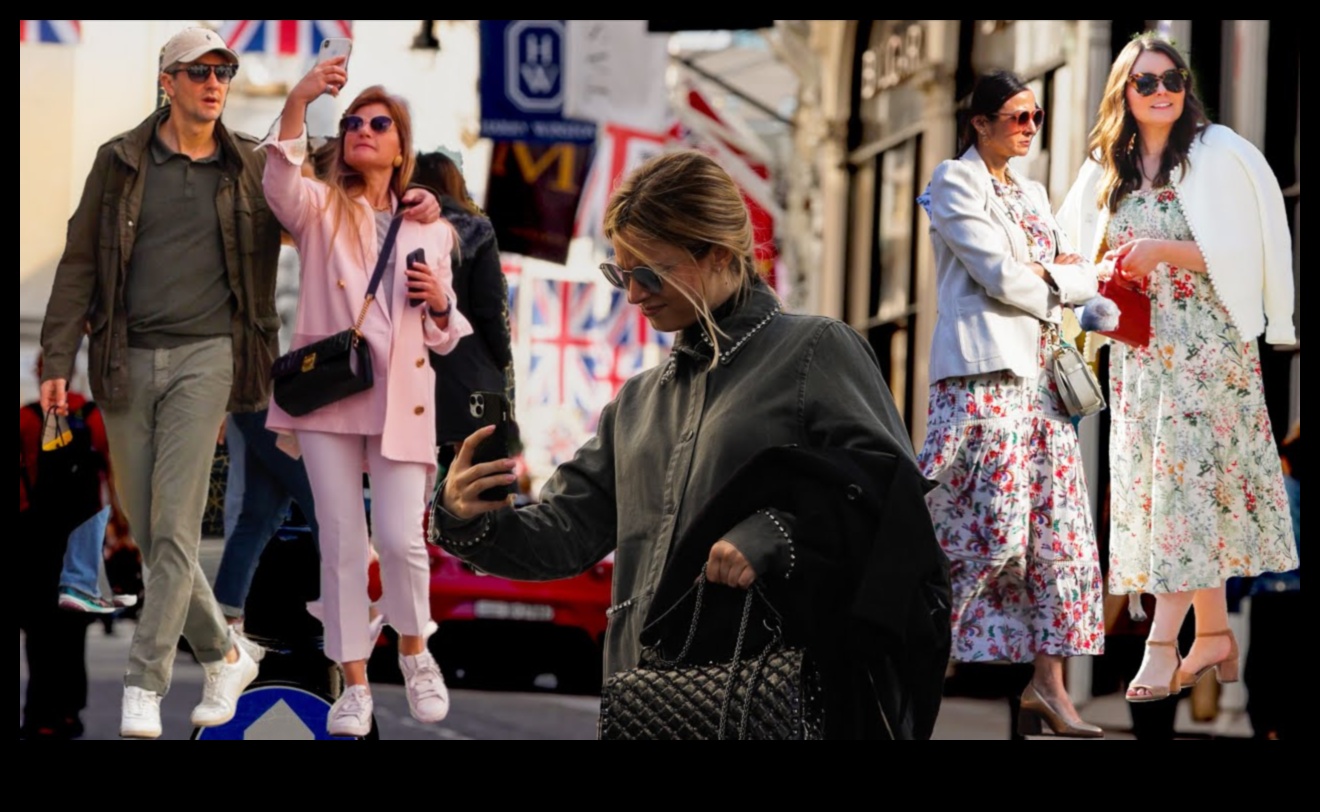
{"points": [[162, 445]]}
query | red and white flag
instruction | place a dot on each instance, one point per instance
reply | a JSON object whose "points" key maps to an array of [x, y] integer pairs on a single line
{"points": [[282, 37], [60, 32], [620, 150]]}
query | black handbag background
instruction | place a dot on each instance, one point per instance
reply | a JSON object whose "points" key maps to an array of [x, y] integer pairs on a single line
{"points": [[752, 687], [335, 367]]}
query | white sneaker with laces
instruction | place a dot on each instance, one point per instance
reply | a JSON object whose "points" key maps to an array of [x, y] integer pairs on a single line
{"points": [[428, 698], [351, 713], [140, 718], [224, 682]]}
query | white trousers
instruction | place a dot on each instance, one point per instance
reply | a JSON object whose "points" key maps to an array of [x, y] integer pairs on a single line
{"points": [[398, 500]]}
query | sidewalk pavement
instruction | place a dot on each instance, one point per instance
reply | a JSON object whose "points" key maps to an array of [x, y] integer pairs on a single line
{"points": [[987, 719]]}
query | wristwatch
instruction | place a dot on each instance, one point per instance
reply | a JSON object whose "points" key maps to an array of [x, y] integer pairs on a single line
{"points": [[440, 314]]}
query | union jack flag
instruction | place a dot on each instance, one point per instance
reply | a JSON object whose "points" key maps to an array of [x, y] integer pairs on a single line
{"points": [[282, 37], [64, 32], [512, 278], [624, 339], [564, 367]]}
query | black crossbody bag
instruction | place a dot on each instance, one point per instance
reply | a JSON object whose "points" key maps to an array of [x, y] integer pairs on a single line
{"points": [[336, 366]]}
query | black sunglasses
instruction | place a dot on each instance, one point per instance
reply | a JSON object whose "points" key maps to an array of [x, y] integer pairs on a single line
{"points": [[199, 73], [1021, 117], [1175, 81], [619, 278], [351, 124]]}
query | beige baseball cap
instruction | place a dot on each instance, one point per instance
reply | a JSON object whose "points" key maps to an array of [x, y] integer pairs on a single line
{"points": [[191, 44]]}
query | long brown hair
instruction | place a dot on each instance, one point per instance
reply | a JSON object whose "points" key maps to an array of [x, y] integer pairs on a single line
{"points": [[345, 182], [438, 171], [687, 200], [1116, 141]]}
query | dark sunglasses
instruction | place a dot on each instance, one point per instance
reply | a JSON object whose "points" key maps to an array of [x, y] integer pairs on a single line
{"points": [[1175, 81], [619, 278], [199, 73], [351, 124], [1021, 117]]}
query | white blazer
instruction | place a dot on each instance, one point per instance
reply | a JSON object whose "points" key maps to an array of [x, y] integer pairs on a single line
{"points": [[990, 302], [1235, 209]]}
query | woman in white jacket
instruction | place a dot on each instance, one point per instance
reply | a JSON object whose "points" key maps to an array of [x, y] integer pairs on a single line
{"points": [[1191, 213], [1012, 513]]}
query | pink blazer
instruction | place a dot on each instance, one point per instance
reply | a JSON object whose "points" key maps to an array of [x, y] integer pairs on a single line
{"points": [[400, 404]]}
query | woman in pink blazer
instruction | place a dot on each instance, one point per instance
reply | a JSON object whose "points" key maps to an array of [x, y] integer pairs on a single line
{"points": [[388, 430]]}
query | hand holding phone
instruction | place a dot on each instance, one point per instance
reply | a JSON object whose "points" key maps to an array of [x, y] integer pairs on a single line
{"points": [[332, 47], [413, 258], [492, 408]]}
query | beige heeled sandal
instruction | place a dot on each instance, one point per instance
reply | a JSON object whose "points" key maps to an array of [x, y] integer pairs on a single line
{"points": [[1226, 670], [1154, 693]]}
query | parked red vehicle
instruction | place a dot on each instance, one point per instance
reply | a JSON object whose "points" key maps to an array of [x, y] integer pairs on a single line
{"points": [[496, 632]]}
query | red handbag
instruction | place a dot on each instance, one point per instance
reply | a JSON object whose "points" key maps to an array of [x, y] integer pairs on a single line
{"points": [[1133, 312]]}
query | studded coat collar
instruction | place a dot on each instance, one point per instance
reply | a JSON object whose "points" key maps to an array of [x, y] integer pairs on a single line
{"points": [[738, 323]]}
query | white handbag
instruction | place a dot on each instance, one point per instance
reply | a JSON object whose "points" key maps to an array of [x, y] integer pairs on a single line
{"points": [[1078, 387]]}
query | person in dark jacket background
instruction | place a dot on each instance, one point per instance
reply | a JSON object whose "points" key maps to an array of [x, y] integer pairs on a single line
{"points": [[485, 361]]}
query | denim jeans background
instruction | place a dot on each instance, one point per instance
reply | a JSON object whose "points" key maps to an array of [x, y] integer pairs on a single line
{"points": [[234, 478], [82, 558], [271, 481]]}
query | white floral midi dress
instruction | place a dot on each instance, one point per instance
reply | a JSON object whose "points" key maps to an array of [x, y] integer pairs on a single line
{"points": [[1012, 511], [1198, 493]]}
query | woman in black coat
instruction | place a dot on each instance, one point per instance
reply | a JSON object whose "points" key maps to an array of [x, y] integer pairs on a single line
{"points": [[484, 362]]}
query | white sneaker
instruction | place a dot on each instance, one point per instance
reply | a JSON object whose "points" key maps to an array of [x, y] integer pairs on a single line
{"points": [[428, 698], [351, 713], [254, 649], [224, 682], [141, 714]]}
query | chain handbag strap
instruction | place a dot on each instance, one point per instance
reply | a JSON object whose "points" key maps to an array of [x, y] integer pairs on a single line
{"points": [[735, 665]]}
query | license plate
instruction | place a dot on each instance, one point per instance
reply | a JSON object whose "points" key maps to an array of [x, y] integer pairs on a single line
{"points": [[508, 610]]}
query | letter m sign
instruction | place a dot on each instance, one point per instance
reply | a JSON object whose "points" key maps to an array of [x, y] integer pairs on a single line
{"points": [[534, 76]]}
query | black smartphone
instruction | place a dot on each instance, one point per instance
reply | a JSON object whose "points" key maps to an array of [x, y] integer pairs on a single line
{"points": [[416, 256], [492, 408]]}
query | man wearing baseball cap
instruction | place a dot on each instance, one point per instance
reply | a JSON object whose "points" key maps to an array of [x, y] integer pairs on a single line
{"points": [[171, 257]]}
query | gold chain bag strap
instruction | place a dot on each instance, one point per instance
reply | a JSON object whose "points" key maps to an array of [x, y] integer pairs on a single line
{"points": [[334, 367]]}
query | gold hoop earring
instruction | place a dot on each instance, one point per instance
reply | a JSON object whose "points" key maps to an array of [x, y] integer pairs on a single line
{"points": [[398, 160]]}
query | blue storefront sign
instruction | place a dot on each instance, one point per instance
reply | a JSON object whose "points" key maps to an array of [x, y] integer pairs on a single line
{"points": [[522, 83]]}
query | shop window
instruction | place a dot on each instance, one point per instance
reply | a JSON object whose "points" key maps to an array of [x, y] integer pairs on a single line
{"points": [[891, 304]]}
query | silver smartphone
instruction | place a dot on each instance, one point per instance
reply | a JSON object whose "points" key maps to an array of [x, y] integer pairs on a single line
{"points": [[332, 47]]}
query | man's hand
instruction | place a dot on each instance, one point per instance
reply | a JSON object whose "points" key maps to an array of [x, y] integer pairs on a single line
{"points": [[55, 394], [422, 206], [728, 566]]}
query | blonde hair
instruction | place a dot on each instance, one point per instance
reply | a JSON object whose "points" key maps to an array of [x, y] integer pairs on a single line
{"points": [[687, 200], [1115, 138], [345, 182]]}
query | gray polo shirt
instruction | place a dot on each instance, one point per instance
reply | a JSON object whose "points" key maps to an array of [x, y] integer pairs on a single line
{"points": [[178, 285]]}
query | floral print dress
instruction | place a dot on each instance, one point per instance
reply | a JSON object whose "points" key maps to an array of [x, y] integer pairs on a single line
{"points": [[1012, 512], [1199, 494]]}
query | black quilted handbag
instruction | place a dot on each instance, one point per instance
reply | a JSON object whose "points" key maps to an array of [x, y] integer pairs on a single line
{"points": [[771, 695], [335, 367]]}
